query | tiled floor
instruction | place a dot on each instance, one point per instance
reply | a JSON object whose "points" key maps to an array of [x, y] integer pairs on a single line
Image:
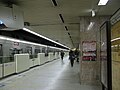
{"points": [[55, 75]]}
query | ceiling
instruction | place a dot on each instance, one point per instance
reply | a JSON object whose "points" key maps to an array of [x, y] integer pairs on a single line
{"points": [[61, 22]]}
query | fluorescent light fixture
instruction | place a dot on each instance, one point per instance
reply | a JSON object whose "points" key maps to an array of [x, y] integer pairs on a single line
{"points": [[54, 2], [115, 45], [1, 22], [26, 42], [58, 48], [90, 25], [20, 41], [43, 37], [112, 46], [93, 13], [103, 44], [115, 39], [102, 2]]}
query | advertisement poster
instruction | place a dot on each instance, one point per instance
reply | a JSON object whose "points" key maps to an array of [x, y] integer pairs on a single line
{"points": [[89, 51]]}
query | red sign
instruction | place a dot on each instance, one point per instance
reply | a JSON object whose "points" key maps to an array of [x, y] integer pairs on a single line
{"points": [[89, 51]]}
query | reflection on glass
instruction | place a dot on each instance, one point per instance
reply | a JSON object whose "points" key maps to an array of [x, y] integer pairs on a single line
{"points": [[37, 50], [0, 60], [31, 56], [103, 55], [8, 59], [29, 51], [43, 49], [35, 56], [115, 56], [1, 54]]}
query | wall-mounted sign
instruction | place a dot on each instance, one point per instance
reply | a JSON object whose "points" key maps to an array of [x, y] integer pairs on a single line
{"points": [[15, 44]]}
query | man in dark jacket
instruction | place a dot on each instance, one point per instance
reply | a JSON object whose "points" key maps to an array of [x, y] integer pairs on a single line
{"points": [[62, 54], [77, 55], [71, 57]]}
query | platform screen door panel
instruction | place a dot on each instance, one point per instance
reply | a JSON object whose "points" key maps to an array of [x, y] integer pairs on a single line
{"points": [[1, 54]]}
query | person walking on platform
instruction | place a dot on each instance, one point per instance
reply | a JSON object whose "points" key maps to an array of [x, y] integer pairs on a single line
{"points": [[62, 54], [71, 57], [77, 55]]}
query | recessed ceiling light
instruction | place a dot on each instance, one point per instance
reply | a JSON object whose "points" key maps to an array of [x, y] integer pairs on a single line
{"points": [[1, 22], [61, 17], [90, 25], [93, 13], [54, 2], [102, 2]]}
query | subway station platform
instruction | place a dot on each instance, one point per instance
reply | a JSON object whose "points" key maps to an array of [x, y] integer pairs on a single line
{"points": [[55, 75]]}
